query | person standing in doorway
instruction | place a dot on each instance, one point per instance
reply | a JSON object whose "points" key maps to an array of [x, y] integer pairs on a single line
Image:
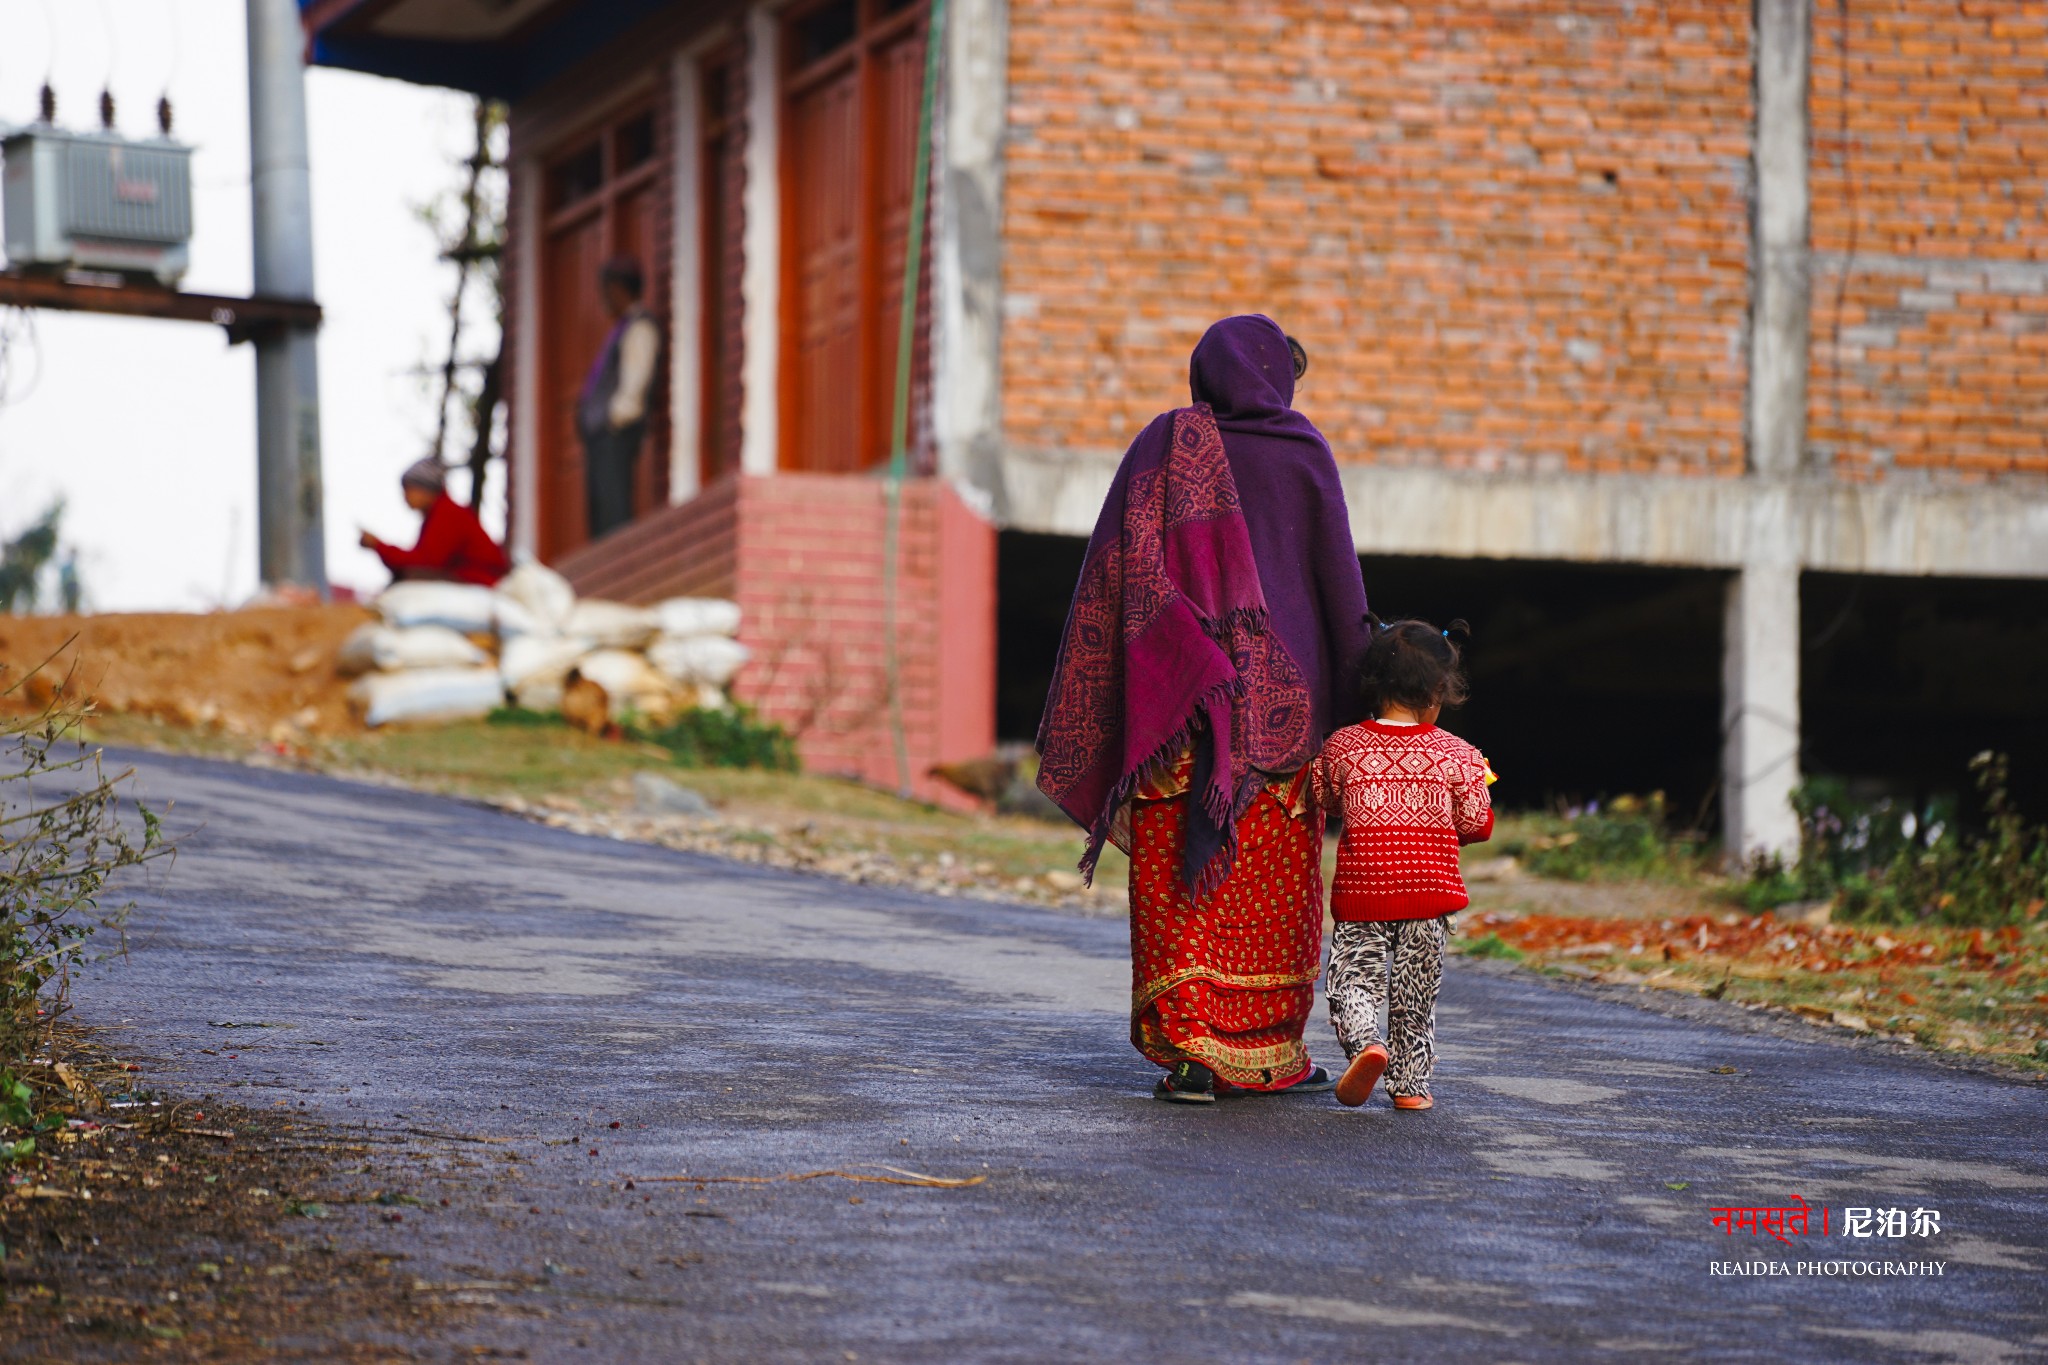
{"points": [[611, 412]]}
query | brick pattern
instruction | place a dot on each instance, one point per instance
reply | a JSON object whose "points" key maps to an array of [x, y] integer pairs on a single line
{"points": [[1930, 281], [802, 554], [1511, 235], [686, 551]]}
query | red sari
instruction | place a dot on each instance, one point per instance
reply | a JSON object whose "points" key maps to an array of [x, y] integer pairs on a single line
{"points": [[1227, 979]]}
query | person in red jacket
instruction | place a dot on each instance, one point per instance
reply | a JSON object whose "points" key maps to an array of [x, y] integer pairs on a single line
{"points": [[453, 545], [1410, 795]]}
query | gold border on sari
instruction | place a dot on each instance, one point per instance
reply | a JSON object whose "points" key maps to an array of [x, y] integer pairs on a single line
{"points": [[1264, 981]]}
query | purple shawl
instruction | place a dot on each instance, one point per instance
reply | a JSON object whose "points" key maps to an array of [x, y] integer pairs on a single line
{"points": [[1219, 607]]}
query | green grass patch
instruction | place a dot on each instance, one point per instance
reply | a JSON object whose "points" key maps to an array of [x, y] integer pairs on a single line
{"points": [[1490, 945], [1628, 838]]}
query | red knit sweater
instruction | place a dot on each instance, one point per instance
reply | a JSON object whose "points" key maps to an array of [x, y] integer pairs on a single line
{"points": [[453, 545], [1409, 795]]}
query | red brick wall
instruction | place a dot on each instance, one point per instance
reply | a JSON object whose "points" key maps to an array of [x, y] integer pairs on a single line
{"points": [[1511, 235], [1930, 286], [811, 589], [802, 554]]}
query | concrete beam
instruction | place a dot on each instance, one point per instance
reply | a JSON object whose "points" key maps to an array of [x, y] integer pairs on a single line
{"points": [[1897, 527]]}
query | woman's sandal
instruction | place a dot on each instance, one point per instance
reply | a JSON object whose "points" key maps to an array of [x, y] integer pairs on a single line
{"points": [[1414, 1102], [1313, 1081], [1361, 1076], [1187, 1083]]}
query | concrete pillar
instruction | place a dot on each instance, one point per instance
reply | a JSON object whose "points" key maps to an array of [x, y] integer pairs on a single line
{"points": [[686, 301], [291, 545], [761, 267], [1760, 668], [1760, 687], [1781, 298], [967, 184], [525, 407]]}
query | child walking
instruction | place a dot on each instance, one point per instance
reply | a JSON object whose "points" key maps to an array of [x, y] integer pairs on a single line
{"points": [[1410, 795]]}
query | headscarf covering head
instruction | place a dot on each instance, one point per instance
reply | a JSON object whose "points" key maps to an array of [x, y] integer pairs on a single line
{"points": [[1242, 368], [428, 473]]}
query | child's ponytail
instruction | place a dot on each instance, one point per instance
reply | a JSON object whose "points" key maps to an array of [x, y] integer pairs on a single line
{"points": [[1414, 665]]}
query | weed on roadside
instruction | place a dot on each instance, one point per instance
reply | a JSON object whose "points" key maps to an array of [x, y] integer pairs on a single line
{"points": [[1980, 991], [1880, 864], [1628, 837], [63, 840]]}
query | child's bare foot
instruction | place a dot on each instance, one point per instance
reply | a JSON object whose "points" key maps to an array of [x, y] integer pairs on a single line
{"points": [[1361, 1076], [1414, 1102]]}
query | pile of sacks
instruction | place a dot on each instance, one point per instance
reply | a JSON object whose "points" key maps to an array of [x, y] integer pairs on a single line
{"points": [[450, 651]]}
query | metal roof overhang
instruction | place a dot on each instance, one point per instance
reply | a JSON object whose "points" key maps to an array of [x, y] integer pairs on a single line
{"points": [[500, 48]]}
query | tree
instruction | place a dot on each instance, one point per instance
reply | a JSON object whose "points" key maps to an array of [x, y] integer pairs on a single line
{"points": [[23, 558], [470, 225]]}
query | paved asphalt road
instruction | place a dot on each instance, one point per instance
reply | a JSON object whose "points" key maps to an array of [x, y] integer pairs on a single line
{"points": [[437, 965]]}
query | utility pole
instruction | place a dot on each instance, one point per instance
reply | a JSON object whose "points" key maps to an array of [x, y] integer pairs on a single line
{"points": [[291, 546]]}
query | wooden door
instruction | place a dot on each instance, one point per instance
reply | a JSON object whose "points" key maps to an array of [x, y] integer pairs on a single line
{"points": [[853, 81], [598, 196], [899, 91], [573, 330], [825, 242]]}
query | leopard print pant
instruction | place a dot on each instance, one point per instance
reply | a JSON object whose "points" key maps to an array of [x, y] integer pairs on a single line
{"points": [[1364, 956]]}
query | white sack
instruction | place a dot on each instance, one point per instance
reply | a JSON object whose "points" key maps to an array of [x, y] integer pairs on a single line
{"points": [[614, 625], [388, 649], [540, 659], [709, 659], [462, 607], [428, 694], [687, 616], [620, 671], [539, 694], [545, 594], [629, 684], [513, 621]]}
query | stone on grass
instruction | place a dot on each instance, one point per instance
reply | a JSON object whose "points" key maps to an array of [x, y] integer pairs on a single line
{"points": [[658, 795]]}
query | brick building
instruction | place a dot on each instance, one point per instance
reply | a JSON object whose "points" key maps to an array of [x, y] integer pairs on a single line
{"points": [[1725, 321]]}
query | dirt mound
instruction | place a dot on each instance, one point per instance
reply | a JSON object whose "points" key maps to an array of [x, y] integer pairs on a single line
{"points": [[258, 672]]}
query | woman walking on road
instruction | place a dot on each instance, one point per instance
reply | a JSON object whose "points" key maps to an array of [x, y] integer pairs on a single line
{"points": [[1209, 652]]}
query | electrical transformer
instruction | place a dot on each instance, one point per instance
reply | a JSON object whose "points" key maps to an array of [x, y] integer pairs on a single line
{"points": [[97, 201]]}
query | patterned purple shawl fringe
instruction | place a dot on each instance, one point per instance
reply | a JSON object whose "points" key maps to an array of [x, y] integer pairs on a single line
{"points": [[1168, 646]]}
